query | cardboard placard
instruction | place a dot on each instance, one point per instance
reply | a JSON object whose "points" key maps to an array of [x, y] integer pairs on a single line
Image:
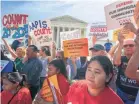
{"points": [[15, 26], [41, 32], [68, 35], [119, 13], [76, 47], [128, 35]]}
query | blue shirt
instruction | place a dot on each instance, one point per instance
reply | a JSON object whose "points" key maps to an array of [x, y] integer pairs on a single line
{"points": [[108, 46], [45, 65], [33, 68]]}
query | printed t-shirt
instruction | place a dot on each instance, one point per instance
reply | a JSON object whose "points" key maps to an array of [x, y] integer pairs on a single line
{"points": [[127, 85]]}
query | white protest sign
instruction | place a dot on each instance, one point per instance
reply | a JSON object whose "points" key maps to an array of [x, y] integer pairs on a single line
{"points": [[41, 32], [69, 35], [3, 64], [15, 26], [96, 31], [100, 31], [118, 13]]}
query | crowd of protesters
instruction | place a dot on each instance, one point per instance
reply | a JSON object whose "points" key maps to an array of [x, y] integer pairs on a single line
{"points": [[110, 76]]}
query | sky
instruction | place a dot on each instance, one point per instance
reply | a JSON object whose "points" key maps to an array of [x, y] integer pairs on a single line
{"points": [[89, 11]]}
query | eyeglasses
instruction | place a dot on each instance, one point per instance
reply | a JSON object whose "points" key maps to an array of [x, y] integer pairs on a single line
{"points": [[129, 45]]}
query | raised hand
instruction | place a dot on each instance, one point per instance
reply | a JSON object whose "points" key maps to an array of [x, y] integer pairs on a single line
{"points": [[129, 27], [121, 37]]}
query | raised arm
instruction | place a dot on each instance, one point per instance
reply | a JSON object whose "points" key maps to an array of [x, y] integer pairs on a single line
{"points": [[133, 64], [53, 50], [118, 53], [113, 49], [9, 49]]}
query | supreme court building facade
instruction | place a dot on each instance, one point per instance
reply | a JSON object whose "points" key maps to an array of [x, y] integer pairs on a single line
{"points": [[66, 23]]}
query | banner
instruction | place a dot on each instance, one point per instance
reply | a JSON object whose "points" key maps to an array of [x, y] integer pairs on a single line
{"points": [[118, 13], [69, 35], [76, 47], [3, 64], [41, 32], [15, 26]]}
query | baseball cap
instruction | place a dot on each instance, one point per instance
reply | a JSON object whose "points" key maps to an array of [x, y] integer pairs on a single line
{"points": [[97, 47]]}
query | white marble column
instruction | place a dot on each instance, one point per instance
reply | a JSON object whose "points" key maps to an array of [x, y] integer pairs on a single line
{"points": [[58, 37], [63, 29]]}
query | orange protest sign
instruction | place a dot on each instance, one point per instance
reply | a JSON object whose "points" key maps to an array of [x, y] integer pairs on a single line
{"points": [[76, 47], [46, 91], [126, 34], [53, 79]]}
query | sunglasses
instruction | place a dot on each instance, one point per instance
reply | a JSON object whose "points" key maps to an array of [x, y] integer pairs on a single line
{"points": [[58, 57], [129, 45]]}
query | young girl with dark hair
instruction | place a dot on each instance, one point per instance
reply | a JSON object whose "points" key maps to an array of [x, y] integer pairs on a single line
{"points": [[14, 90], [94, 89], [55, 67]]}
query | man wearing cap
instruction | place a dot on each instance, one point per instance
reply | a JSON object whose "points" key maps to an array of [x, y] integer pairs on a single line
{"points": [[98, 50], [32, 68], [126, 87]]}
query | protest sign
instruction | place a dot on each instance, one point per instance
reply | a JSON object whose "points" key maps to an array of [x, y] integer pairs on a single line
{"points": [[128, 35], [15, 27], [41, 32], [99, 31], [3, 64], [96, 32], [69, 35], [47, 92], [76, 47], [118, 13]]}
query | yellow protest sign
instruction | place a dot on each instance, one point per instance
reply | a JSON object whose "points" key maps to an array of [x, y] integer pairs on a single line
{"points": [[127, 34], [53, 79]]}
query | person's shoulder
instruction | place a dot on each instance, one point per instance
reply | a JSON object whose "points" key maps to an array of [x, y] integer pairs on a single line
{"points": [[114, 97], [4, 93], [38, 60], [24, 90], [79, 85]]}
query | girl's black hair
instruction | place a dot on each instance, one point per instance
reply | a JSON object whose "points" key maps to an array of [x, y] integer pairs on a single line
{"points": [[15, 77], [46, 50], [106, 64], [59, 64]]}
